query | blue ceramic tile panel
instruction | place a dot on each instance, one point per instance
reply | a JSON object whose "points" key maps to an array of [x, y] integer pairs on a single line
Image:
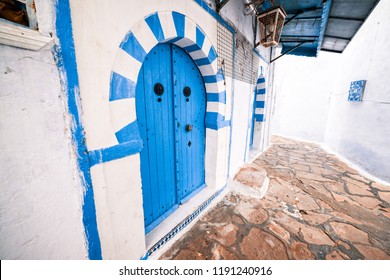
{"points": [[356, 90]]}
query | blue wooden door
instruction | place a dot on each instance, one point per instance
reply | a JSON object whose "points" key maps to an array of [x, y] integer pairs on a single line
{"points": [[170, 102]]}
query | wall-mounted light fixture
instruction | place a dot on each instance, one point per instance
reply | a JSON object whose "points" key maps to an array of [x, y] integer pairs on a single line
{"points": [[270, 25], [270, 20]]}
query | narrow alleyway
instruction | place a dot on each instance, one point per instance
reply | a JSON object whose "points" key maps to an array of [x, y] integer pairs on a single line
{"points": [[316, 207]]}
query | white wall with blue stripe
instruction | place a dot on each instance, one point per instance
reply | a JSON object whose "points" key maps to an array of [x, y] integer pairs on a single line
{"points": [[109, 55], [82, 133]]}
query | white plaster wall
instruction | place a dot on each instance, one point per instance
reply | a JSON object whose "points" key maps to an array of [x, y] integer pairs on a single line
{"points": [[40, 201], [243, 95], [312, 97], [242, 115], [303, 89], [118, 198], [361, 131], [235, 11]]}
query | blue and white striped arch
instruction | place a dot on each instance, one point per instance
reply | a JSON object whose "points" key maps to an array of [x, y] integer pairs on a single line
{"points": [[260, 99], [162, 27]]}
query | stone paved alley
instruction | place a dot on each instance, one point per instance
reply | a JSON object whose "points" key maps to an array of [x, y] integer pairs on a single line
{"points": [[316, 207]]}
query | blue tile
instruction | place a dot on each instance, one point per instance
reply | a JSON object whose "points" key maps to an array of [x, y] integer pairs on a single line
{"points": [[356, 90]]}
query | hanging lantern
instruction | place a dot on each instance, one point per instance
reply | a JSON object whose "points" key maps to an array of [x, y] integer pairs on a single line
{"points": [[270, 25]]}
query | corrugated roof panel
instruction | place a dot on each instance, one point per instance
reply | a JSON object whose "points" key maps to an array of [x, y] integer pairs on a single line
{"points": [[352, 8], [345, 19], [342, 28]]}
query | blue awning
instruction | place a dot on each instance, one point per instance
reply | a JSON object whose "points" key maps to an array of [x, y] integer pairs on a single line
{"points": [[305, 24], [316, 25]]}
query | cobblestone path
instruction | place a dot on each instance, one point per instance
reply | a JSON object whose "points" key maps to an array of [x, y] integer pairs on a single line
{"points": [[316, 207]]}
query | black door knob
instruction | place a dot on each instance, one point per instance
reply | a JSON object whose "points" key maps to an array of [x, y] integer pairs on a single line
{"points": [[158, 89], [188, 127], [187, 91]]}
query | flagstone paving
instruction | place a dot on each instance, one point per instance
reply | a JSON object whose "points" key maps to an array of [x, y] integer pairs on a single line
{"points": [[316, 207]]}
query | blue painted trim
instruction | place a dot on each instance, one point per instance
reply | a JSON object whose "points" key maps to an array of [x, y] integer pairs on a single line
{"points": [[219, 125], [192, 48], [66, 61], [192, 194], [216, 121], [324, 21], [260, 104], [121, 87], [207, 8], [260, 56], [217, 97], [115, 152], [220, 72], [128, 133], [174, 40], [212, 55], [179, 21], [213, 78], [155, 25], [199, 37], [259, 118], [161, 218], [202, 61], [131, 45]]}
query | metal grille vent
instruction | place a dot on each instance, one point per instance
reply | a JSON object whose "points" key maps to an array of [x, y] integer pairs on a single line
{"points": [[225, 50]]}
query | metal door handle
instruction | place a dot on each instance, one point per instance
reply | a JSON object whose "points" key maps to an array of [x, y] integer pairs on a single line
{"points": [[188, 127]]}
